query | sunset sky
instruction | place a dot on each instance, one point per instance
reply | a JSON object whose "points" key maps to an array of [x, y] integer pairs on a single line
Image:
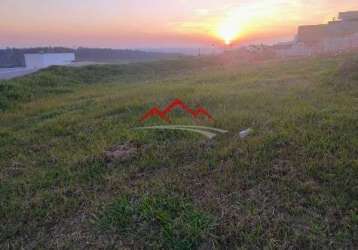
{"points": [[158, 23]]}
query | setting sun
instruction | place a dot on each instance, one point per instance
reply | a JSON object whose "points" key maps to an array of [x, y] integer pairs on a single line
{"points": [[228, 31]]}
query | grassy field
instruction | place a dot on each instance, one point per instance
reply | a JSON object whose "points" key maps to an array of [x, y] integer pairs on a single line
{"points": [[291, 184]]}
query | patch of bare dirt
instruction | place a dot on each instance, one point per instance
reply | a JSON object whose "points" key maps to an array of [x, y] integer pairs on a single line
{"points": [[121, 153]]}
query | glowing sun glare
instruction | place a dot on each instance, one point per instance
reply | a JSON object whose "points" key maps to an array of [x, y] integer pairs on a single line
{"points": [[228, 31]]}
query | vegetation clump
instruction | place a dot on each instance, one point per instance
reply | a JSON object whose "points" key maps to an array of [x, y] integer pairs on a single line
{"points": [[161, 221], [348, 72]]}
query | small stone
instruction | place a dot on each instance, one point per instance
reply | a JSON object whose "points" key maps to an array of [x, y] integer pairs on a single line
{"points": [[246, 132]]}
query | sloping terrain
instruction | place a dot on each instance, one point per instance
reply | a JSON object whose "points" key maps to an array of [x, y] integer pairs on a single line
{"points": [[75, 174]]}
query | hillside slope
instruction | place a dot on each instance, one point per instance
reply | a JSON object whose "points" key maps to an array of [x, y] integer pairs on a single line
{"points": [[75, 174]]}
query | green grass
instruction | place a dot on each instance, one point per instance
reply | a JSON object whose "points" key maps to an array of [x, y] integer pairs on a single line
{"points": [[293, 183], [161, 221]]}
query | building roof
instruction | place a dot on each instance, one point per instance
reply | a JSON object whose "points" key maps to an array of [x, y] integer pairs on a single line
{"points": [[52, 53]]}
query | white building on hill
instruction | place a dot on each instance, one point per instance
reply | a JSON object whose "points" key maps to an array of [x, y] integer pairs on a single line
{"points": [[44, 60], [334, 37]]}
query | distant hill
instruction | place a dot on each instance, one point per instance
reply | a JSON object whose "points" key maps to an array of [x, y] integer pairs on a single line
{"points": [[14, 57], [118, 55]]}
